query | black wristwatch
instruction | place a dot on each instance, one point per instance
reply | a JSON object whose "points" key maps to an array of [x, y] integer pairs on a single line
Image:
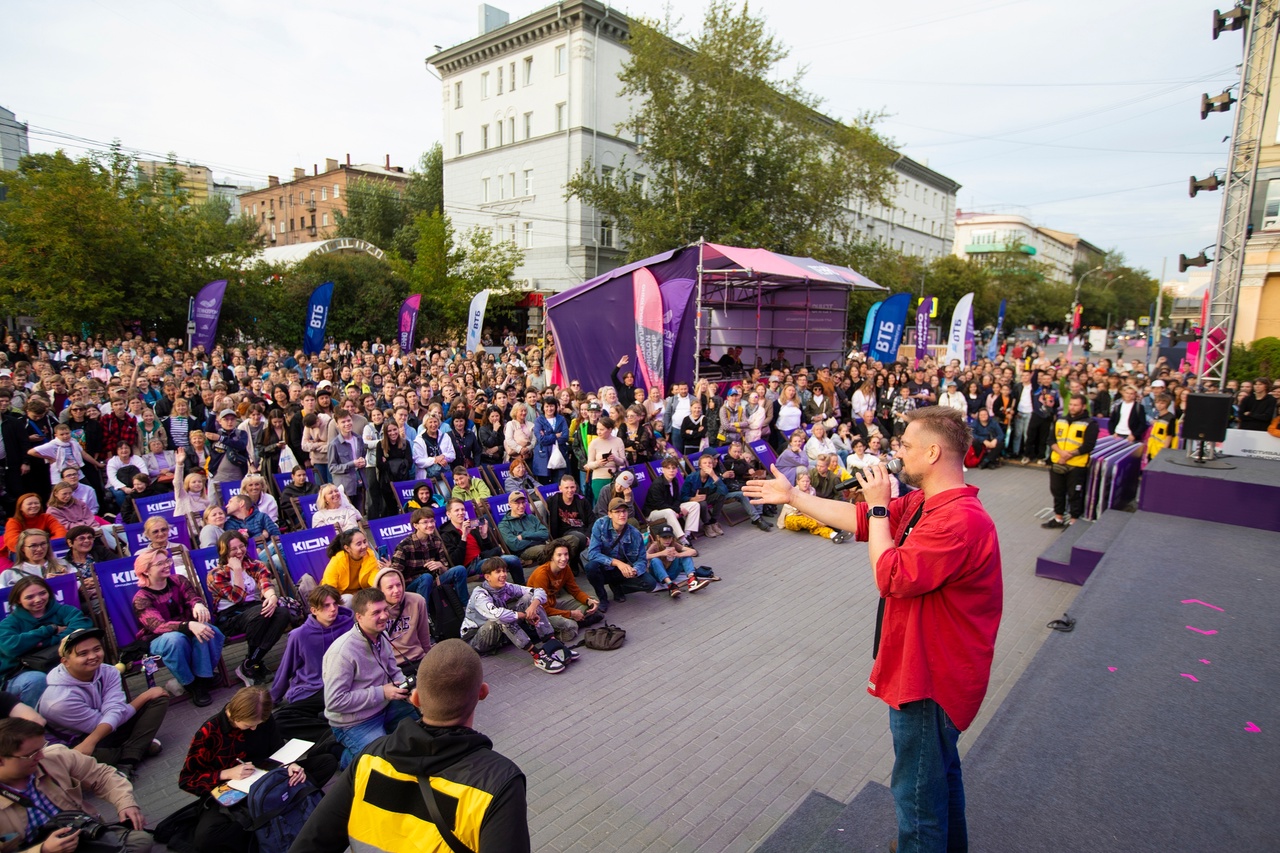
{"points": [[878, 512]]}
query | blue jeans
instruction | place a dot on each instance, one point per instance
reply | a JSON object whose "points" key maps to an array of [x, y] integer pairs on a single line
{"points": [[188, 658], [1018, 434], [515, 570], [355, 738], [752, 509], [457, 576], [27, 685], [928, 791], [322, 473], [662, 574]]}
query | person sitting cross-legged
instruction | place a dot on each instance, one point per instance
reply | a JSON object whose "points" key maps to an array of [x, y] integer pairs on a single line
{"points": [[615, 556], [85, 705], [791, 518], [568, 607], [498, 609], [364, 691], [737, 471]]}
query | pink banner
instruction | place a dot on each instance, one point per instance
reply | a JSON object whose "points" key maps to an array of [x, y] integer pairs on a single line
{"points": [[648, 304]]}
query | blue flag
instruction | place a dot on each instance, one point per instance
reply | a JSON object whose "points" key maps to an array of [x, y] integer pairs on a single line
{"points": [[317, 318], [866, 328], [890, 320], [993, 349]]}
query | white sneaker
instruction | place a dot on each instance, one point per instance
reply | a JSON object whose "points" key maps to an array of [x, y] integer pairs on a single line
{"points": [[546, 663]]}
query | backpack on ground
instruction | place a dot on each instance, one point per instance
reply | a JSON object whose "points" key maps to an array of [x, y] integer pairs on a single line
{"points": [[276, 811], [446, 612], [605, 638]]}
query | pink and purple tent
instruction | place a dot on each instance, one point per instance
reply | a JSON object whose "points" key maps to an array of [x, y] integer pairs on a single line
{"points": [[702, 295]]}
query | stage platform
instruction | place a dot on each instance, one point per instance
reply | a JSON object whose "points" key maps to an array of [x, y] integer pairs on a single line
{"points": [[1247, 495]]}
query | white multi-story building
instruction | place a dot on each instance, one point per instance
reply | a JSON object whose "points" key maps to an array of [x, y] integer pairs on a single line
{"points": [[13, 140], [528, 103], [983, 235]]}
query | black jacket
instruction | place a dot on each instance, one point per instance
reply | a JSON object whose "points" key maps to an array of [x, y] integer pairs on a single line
{"points": [[1137, 420], [558, 511]]}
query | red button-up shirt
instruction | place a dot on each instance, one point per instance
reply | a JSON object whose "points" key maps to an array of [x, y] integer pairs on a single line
{"points": [[943, 594]]}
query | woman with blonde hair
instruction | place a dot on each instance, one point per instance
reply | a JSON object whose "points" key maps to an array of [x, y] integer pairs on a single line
{"points": [[333, 509], [33, 558]]}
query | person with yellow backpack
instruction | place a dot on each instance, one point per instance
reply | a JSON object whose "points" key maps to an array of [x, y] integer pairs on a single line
{"points": [[1075, 434]]}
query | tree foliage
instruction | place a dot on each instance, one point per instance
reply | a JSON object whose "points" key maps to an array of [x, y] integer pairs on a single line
{"points": [[383, 213], [94, 242], [1118, 291], [728, 150]]}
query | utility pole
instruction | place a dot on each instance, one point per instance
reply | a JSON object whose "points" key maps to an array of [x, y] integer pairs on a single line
{"points": [[1154, 343]]}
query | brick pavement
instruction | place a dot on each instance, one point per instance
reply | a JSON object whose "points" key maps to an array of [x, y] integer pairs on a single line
{"points": [[726, 707]]}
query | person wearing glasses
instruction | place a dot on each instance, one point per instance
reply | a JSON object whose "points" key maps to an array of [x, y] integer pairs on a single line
{"points": [[40, 781], [175, 622]]}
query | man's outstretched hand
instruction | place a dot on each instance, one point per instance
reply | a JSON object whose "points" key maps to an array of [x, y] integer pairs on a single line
{"points": [[770, 490]]}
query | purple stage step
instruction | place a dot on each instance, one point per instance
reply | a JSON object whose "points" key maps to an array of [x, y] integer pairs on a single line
{"points": [[1056, 562], [1088, 549]]}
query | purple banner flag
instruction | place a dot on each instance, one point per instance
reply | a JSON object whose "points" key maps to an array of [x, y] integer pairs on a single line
{"points": [[408, 321], [208, 305], [922, 329]]}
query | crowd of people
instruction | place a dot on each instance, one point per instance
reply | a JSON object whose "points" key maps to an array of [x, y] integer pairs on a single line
{"points": [[612, 484]]}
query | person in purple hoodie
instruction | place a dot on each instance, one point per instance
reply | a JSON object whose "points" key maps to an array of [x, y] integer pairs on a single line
{"points": [[299, 682]]}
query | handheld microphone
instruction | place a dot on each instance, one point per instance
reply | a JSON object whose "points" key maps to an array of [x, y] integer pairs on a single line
{"points": [[893, 466]]}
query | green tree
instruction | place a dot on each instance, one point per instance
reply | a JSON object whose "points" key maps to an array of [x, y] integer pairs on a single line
{"points": [[729, 150], [90, 241], [1117, 292], [383, 213]]}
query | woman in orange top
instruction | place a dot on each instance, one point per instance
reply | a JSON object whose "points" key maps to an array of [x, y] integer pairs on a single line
{"points": [[29, 514]]}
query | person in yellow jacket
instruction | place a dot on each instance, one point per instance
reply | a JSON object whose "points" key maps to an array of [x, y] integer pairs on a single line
{"points": [[1074, 434], [352, 564], [1162, 428]]}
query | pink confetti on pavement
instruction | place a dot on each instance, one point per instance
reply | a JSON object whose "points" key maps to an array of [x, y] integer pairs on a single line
{"points": [[1205, 603], [1111, 669], [1189, 675], [1203, 661], [1201, 631], [1251, 727]]}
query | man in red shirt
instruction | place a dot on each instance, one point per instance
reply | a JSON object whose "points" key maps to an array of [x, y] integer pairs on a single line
{"points": [[936, 559]]}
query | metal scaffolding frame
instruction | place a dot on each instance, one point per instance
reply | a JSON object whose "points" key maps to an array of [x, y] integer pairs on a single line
{"points": [[1237, 197]]}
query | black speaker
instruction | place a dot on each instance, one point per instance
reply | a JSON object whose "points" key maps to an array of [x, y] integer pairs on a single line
{"points": [[1206, 417]]}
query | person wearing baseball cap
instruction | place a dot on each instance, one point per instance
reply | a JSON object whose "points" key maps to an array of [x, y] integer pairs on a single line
{"points": [[524, 534], [616, 556], [671, 562], [86, 705], [621, 487], [229, 452]]}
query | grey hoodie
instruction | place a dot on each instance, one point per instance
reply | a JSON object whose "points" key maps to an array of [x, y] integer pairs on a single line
{"points": [[74, 706]]}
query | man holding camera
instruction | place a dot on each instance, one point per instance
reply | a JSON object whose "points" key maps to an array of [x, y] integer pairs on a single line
{"points": [[42, 794]]}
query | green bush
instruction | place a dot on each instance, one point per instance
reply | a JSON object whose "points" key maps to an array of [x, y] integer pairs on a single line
{"points": [[1261, 358]]}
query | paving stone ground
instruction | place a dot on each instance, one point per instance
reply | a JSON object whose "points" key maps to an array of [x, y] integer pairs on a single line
{"points": [[725, 708]]}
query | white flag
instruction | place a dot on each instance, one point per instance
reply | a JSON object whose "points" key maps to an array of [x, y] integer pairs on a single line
{"points": [[475, 320], [959, 328]]}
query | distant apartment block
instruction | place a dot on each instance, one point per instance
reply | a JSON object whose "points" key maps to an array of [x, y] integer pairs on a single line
{"points": [[983, 236]]}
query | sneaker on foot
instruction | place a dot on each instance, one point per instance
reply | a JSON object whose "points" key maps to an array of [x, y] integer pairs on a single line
{"points": [[674, 590], [154, 747], [762, 524], [244, 673], [174, 687], [697, 583], [1054, 524], [546, 663]]}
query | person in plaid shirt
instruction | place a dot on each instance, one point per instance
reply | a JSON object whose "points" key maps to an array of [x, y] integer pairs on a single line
{"points": [[422, 558], [116, 427]]}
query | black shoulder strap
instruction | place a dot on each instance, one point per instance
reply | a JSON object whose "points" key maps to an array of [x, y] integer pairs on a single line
{"points": [[915, 519], [433, 806]]}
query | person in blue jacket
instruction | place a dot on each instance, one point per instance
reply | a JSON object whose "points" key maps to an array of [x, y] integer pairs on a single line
{"points": [[550, 430], [707, 487]]}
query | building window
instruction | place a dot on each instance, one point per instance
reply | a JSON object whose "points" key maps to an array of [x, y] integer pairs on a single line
{"points": [[511, 129], [484, 137], [562, 59], [512, 78], [513, 184], [528, 182], [607, 233], [499, 79], [528, 125], [457, 95], [528, 235], [502, 187], [499, 126], [484, 190], [484, 85], [457, 144], [511, 233], [562, 116], [324, 220], [606, 174], [528, 70], [324, 193], [335, 190]]}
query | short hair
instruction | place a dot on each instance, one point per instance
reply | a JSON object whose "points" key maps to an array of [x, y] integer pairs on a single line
{"points": [[15, 730], [564, 543], [670, 462], [361, 600], [946, 425], [79, 530], [568, 478], [420, 514], [321, 595], [449, 680], [250, 479], [448, 506], [154, 522], [492, 565], [250, 703]]}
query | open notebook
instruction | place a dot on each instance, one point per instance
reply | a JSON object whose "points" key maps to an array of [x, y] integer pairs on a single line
{"points": [[287, 754]]}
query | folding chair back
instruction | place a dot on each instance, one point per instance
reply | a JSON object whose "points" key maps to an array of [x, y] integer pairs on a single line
{"points": [[66, 590], [644, 479], [60, 548], [282, 480], [764, 454], [403, 490], [303, 553], [227, 491], [118, 585], [388, 532], [498, 506], [305, 507], [166, 505], [498, 472]]}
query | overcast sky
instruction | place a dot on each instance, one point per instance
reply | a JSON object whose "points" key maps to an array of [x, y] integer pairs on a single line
{"points": [[1083, 115]]}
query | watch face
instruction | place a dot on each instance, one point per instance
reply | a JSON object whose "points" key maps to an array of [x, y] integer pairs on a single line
{"points": [[879, 512]]}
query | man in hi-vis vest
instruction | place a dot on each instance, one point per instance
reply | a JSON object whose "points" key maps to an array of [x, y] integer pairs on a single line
{"points": [[1074, 435]]}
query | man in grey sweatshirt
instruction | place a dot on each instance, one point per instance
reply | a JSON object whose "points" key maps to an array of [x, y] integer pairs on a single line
{"points": [[365, 694], [85, 705]]}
